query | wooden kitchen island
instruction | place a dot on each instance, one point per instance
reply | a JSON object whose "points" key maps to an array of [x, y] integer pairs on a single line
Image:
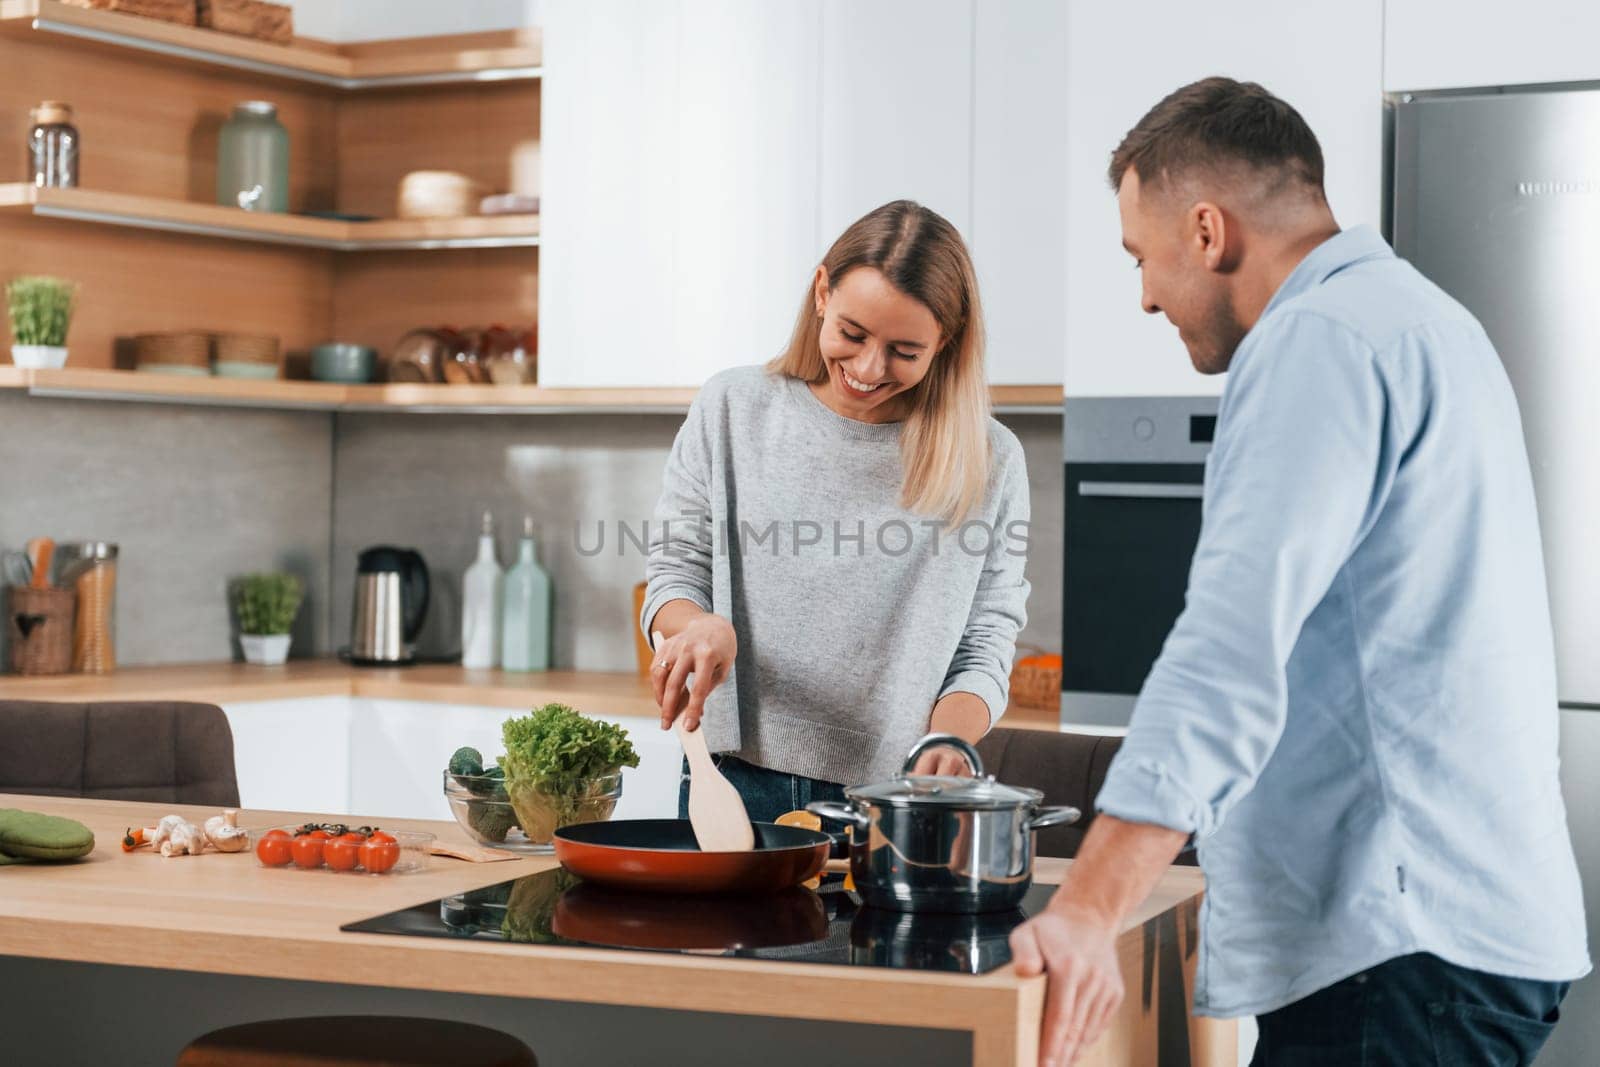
{"points": [[90, 946]]}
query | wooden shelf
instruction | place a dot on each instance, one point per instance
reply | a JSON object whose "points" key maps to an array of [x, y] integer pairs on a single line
{"points": [[214, 220], [514, 55], [461, 399]]}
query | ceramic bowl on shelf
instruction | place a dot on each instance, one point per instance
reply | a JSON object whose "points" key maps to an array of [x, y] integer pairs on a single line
{"points": [[344, 363]]}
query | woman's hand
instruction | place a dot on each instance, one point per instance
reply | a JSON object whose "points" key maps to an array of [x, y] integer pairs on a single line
{"points": [[705, 648], [962, 714]]}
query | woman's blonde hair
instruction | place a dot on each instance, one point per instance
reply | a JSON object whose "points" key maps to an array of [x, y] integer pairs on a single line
{"points": [[944, 442]]}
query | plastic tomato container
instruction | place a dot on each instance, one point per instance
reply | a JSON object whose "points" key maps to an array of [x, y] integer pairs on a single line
{"points": [[407, 853]]}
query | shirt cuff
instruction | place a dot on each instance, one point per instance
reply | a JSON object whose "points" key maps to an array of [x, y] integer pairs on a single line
{"points": [[983, 687], [655, 600], [1142, 791]]}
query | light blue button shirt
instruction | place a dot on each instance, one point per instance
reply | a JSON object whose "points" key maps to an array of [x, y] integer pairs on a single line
{"points": [[1356, 712]]}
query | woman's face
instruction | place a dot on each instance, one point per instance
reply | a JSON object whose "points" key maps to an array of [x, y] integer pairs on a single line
{"points": [[877, 344]]}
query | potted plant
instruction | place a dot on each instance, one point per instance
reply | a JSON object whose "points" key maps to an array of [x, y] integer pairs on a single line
{"points": [[41, 311], [266, 605]]}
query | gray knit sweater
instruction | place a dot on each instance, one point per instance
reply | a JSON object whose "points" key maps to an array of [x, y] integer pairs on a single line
{"points": [[854, 616]]}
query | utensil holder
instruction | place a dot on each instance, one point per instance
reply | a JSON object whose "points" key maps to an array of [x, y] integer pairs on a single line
{"points": [[40, 625]]}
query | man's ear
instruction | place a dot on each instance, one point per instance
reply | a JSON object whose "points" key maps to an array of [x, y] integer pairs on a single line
{"points": [[820, 290], [1209, 231]]}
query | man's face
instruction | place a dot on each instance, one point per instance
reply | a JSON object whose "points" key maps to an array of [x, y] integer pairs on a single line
{"points": [[1168, 241]]}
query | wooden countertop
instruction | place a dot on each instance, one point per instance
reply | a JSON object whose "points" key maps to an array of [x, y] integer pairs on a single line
{"points": [[225, 914], [613, 693]]}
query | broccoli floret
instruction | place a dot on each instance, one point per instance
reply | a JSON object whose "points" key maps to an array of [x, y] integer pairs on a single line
{"points": [[490, 783], [491, 820], [466, 761]]}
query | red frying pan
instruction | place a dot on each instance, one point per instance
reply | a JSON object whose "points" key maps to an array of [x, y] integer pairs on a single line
{"points": [[660, 856]]}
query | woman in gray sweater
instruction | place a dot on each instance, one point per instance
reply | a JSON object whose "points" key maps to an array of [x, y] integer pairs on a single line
{"points": [[837, 555]]}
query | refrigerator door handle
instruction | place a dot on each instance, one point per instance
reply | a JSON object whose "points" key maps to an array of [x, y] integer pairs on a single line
{"points": [[1142, 490]]}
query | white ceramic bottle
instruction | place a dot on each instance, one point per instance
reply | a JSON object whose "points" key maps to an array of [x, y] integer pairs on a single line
{"points": [[482, 597], [527, 615]]}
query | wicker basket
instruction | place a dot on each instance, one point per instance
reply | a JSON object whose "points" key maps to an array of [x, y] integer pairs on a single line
{"points": [[249, 18], [40, 625], [179, 11], [191, 349], [1036, 678], [246, 348]]}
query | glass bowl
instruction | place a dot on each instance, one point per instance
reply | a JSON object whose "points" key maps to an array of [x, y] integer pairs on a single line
{"points": [[525, 819], [410, 853]]}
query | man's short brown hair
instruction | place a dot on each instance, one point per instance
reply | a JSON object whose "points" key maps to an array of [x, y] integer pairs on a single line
{"points": [[1214, 123]]}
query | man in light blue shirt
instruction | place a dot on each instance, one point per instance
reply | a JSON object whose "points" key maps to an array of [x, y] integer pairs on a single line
{"points": [[1355, 716]]}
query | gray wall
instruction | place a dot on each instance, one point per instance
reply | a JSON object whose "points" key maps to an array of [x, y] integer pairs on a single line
{"points": [[424, 482], [196, 495], [192, 495]]}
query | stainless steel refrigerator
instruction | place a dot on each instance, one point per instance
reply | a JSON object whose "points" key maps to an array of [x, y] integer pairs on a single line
{"points": [[1495, 196]]}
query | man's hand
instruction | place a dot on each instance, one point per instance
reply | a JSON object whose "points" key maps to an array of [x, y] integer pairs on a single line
{"points": [[1078, 951], [1074, 940]]}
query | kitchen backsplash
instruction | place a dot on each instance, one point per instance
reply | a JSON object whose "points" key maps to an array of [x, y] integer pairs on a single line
{"points": [[195, 496]]}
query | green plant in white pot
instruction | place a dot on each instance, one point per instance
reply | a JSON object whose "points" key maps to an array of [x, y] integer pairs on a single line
{"points": [[40, 309], [266, 605]]}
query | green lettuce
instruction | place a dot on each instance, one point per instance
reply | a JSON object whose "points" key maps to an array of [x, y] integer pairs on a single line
{"points": [[558, 747], [553, 755]]}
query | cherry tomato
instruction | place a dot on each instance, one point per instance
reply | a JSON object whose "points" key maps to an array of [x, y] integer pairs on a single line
{"points": [[307, 848], [273, 848], [342, 853], [380, 852]]}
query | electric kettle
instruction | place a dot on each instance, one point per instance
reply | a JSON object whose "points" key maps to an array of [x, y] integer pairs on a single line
{"points": [[391, 602]]}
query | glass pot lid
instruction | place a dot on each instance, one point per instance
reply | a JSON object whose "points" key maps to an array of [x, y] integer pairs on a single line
{"points": [[947, 791]]}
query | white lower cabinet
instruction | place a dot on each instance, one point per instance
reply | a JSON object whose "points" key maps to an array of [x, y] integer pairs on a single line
{"points": [[383, 759], [293, 755]]}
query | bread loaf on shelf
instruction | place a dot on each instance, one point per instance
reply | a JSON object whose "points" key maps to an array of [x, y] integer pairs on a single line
{"points": [[179, 11], [249, 18]]}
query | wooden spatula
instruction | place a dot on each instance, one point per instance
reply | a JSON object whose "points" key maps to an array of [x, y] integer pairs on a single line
{"points": [[716, 811]]}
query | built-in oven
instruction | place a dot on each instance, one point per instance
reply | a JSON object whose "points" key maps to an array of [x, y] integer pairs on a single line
{"points": [[1134, 473]]}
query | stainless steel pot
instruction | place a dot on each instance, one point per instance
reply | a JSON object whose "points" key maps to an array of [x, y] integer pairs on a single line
{"points": [[943, 843]]}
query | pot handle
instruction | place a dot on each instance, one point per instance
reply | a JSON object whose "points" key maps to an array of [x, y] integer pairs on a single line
{"points": [[974, 761], [829, 809], [1052, 816]]}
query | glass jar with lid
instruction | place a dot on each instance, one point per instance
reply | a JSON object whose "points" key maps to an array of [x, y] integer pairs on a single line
{"points": [[53, 146], [253, 159]]}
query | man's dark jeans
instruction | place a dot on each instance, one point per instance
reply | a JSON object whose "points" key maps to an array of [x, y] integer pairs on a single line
{"points": [[767, 794], [1413, 1011]]}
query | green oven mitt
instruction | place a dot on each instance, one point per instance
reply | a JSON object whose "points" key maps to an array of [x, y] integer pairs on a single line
{"points": [[28, 835]]}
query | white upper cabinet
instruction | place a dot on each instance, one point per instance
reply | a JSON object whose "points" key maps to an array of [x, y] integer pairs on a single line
{"points": [[1456, 44], [1324, 59], [700, 156], [680, 187], [1018, 230], [896, 115]]}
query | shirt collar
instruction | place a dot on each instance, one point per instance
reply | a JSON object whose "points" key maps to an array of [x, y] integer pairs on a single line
{"points": [[1329, 258]]}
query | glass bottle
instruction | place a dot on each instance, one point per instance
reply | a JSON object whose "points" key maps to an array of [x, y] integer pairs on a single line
{"points": [[253, 159], [53, 146], [482, 602], [526, 629]]}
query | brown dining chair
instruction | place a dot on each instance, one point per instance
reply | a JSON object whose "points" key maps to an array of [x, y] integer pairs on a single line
{"points": [[1066, 768], [356, 1041], [163, 751]]}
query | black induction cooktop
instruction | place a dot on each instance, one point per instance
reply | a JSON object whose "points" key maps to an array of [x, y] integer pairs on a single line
{"points": [[827, 925]]}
